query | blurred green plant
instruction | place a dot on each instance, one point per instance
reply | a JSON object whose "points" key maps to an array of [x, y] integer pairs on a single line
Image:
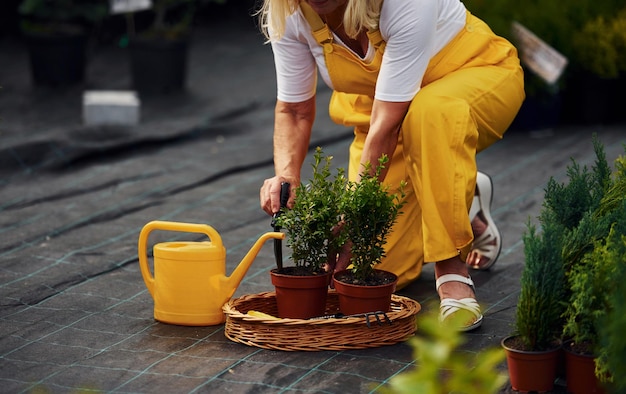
{"points": [[601, 44], [589, 33], [61, 16], [442, 367], [170, 19]]}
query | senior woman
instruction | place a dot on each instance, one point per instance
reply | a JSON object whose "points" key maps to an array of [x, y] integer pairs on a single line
{"points": [[422, 81]]}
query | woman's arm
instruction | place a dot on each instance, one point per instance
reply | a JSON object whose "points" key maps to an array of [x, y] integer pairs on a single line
{"points": [[292, 132], [382, 136]]}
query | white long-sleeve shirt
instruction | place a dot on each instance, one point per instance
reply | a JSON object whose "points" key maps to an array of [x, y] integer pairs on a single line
{"points": [[414, 32]]}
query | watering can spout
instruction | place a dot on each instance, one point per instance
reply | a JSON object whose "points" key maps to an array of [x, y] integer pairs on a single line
{"points": [[233, 281]]}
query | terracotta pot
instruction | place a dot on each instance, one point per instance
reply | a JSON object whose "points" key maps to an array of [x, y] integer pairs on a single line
{"points": [[530, 370], [355, 299], [300, 297], [580, 373]]}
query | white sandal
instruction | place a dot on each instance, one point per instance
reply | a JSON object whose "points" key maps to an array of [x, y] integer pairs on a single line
{"points": [[450, 306], [484, 244]]}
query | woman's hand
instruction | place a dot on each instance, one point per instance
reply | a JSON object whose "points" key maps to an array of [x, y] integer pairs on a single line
{"points": [[270, 194], [341, 260]]}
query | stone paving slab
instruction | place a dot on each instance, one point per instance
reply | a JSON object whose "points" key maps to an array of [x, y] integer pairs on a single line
{"points": [[74, 311]]}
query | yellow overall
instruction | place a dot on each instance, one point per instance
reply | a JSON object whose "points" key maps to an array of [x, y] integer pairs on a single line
{"points": [[470, 94]]}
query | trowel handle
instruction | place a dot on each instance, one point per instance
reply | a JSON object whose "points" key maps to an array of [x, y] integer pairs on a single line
{"points": [[142, 247]]}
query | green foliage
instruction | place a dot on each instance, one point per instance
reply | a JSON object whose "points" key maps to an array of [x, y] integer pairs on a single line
{"points": [[589, 33], [601, 43], [583, 241], [543, 283], [589, 281], [172, 18], [572, 205], [365, 209], [612, 354], [369, 212], [583, 191], [595, 253], [60, 15], [311, 223], [443, 368], [594, 273]]}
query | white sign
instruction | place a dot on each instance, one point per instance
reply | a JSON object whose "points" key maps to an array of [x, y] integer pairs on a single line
{"points": [[121, 6], [538, 56]]}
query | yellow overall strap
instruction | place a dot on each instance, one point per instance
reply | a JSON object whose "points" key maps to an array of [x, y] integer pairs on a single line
{"points": [[322, 33]]}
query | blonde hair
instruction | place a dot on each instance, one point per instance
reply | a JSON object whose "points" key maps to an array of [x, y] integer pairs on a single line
{"points": [[273, 16], [359, 15]]}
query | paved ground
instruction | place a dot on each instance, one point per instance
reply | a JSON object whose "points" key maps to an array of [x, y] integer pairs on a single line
{"points": [[74, 311]]}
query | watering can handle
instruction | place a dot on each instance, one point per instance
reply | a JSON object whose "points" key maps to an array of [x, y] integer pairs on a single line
{"points": [[168, 226]]}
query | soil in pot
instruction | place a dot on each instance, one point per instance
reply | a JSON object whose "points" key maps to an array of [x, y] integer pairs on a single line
{"points": [[300, 294], [531, 370], [580, 370], [373, 295]]}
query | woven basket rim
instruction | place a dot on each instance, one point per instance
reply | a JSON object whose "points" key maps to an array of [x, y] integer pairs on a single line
{"points": [[332, 333], [409, 308]]}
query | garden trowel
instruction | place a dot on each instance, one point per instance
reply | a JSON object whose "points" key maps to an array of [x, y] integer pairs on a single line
{"points": [[278, 244]]}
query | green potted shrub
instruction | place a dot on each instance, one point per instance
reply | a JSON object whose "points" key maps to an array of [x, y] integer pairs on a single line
{"points": [[570, 292], [56, 33], [369, 209], [533, 350], [591, 279], [612, 353], [312, 237]]}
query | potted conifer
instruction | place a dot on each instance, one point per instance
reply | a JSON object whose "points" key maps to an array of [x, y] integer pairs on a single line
{"points": [[612, 354], [576, 217], [369, 210], [310, 224], [533, 350], [591, 280]]}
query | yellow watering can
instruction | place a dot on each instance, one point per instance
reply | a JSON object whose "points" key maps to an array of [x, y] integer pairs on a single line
{"points": [[190, 286]]}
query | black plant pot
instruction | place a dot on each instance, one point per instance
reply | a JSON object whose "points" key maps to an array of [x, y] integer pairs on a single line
{"points": [[158, 66], [57, 60]]}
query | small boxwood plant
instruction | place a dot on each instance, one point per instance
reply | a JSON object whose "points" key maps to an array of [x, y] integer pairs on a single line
{"points": [[369, 211], [312, 221]]}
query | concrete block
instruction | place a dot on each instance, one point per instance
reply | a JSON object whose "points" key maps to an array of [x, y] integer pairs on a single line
{"points": [[107, 107]]}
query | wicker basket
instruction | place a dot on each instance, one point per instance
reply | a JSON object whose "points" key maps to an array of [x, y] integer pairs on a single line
{"points": [[321, 334]]}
